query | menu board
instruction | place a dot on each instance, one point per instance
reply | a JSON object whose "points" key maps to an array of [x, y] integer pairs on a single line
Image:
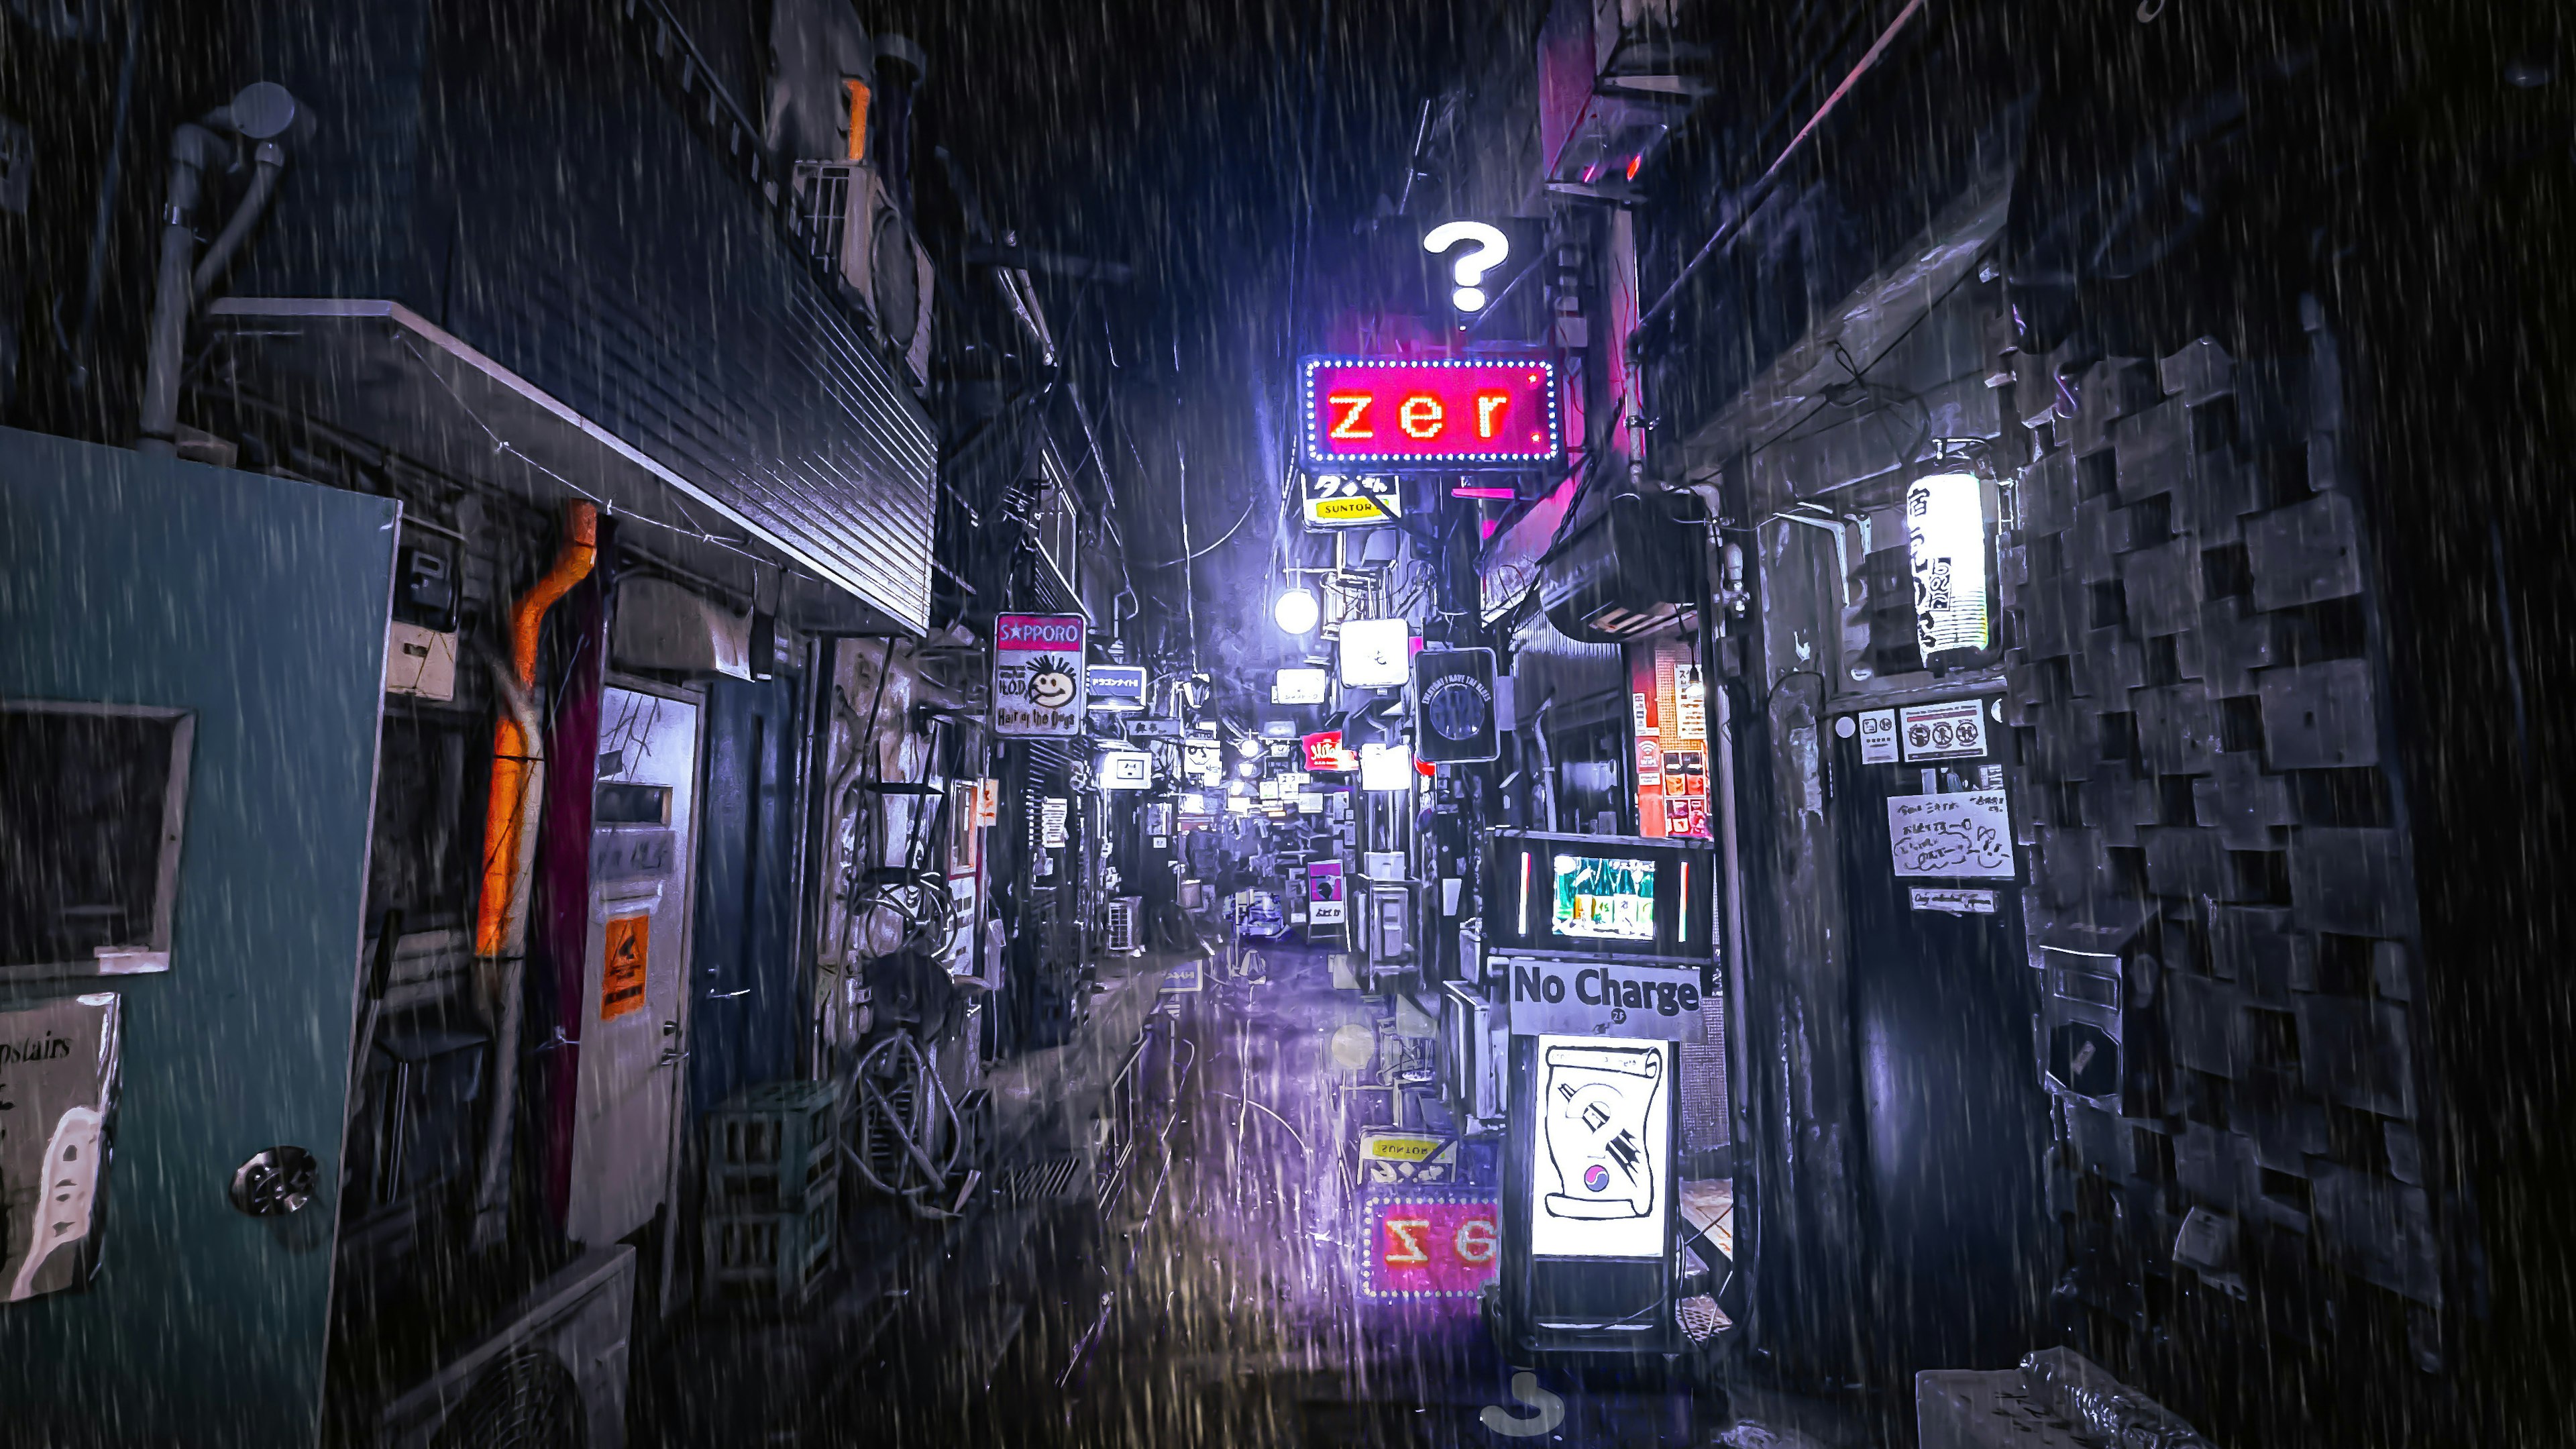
{"points": [[1668, 703]]}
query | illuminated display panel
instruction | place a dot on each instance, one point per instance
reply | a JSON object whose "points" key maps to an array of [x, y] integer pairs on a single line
{"points": [[1606, 898], [1430, 413], [1601, 1161]]}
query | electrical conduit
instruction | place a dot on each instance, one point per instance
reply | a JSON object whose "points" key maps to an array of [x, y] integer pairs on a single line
{"points": [[509, 856]]}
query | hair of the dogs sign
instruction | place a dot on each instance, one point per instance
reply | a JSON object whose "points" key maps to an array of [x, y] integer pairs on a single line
{"points": [[1604, 998]]}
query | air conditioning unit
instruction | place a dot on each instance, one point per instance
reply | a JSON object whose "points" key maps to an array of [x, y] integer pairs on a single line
{"points": [[1625, 570], [552, 1370], [853, 223], [1125, 917]]}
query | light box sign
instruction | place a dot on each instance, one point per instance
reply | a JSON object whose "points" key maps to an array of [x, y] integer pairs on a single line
{"points": [[1325, 755], [1117, 686], [1428, 1243], [1349, 500], [1126, 770], [1389, 412], [1300, 686], [1639, 1000], [1600, 1175], [1038, 675]]}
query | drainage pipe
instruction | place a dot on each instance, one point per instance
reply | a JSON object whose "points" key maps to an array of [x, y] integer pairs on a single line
{"points": [[261, 113], [509, 857]]}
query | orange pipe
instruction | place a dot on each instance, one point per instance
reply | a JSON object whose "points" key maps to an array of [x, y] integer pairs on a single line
{"points": [[506, 809]]}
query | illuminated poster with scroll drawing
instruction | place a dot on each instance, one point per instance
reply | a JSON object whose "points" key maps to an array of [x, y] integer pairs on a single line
{"points": [[1600, 1174]]}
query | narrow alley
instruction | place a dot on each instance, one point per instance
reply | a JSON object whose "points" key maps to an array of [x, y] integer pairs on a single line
{"points": [[1286, 724]]}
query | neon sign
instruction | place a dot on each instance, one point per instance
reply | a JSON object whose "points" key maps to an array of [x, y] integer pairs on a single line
{"points": [[1429, 412]]}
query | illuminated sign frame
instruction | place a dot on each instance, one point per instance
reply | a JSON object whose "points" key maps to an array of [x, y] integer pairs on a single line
{"points": [[1600, 1184], [1450, 374]]}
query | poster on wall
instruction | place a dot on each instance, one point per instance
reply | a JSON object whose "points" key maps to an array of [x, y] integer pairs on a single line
{"points": [[1051, 816], [1952, 730], [58, 1072], [1038, 675], [1668, 704], [1601, 1167], [1328, 891], [1954, 837]]}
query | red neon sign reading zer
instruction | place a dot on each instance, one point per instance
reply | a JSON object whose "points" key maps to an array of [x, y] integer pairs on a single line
{"points": [[1429, 413]]}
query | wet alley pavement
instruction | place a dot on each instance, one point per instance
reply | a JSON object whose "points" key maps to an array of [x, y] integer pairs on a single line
{"points": [[1219, 1300]]}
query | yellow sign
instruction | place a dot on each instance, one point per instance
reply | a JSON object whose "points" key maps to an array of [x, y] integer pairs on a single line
{"points": [[621, 981], [1365, 509], [1387, 1147]]}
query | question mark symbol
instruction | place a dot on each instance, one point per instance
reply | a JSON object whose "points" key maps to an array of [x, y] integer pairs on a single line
{"points": [[1491, 247]]}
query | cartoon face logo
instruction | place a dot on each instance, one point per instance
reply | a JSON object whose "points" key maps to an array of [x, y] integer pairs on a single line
{"points": [[1596, 1178], [1051, 682]]}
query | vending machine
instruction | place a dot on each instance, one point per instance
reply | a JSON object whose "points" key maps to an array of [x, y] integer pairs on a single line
{"points": [[1597, 956]]}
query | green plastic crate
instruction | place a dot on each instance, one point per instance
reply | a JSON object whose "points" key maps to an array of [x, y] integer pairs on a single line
{"points": [[774, 1257], [770, 1145]]}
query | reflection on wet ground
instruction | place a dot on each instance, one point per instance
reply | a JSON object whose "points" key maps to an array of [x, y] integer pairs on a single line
{"points": [[1221, 1301]]}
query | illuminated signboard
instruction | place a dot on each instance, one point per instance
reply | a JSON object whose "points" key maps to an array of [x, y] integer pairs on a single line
{"points": [[1600, 1175], [1341, 500], [1037, 674], [1300, 686], [1428, 1243], [1126, 770], [1429, 413], [1325, 755]]}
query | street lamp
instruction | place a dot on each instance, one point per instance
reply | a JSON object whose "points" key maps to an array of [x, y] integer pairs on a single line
{"points": [[1297, 612]]}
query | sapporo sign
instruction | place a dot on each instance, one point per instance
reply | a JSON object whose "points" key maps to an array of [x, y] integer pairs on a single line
{"points": [[1037, 674], [1604, 998]]}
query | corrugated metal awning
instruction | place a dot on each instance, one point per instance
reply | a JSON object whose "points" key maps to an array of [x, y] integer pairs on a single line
{"points": [[850, 526]]}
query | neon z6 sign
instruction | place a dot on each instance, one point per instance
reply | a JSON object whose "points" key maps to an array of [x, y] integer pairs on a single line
{"points": [[1429, 413]]}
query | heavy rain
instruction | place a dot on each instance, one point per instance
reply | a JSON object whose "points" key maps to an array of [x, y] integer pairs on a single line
{"points": [[1750, 724]]}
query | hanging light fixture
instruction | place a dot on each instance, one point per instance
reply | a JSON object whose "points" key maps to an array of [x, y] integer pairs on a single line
{"points": [[1297, 611], [1945, 538]]}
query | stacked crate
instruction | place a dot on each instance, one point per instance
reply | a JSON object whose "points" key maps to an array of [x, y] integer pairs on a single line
{"points": [[773, 1197]]}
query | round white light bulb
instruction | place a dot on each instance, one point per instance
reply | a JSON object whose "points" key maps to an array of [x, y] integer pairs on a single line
{"points": [[1297, 612]]}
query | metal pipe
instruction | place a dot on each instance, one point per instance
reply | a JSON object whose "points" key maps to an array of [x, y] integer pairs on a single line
{"points": [[509, 857], [192, 147], [1546, 768], [498, 928], [262, 112], [270, 159], [505, 976]]}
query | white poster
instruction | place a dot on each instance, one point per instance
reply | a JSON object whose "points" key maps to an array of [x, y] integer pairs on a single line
{"points": [[1958, 837], [1601, 1167], [1038, 674], [57, 1088], [1955, 730], [1051, 815], [1953, 900], [1878, 737]]}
